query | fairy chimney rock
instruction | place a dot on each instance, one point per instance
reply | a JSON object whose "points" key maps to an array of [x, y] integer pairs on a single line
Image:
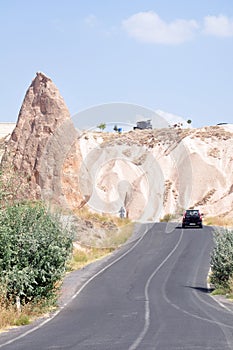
{"points": [[43, 134], [43, 109]]}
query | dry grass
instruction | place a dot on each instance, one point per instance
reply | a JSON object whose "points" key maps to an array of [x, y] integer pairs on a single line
{"points": [[10, 316], [85, 214], [84, 255], [104, 230], [227, 291], [218, 221], [117, 232], [168, 217], [119, 237]]}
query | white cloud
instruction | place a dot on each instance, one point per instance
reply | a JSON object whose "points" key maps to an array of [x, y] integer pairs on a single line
{"points": [[91, 21], [150, 28], [220, 26]]}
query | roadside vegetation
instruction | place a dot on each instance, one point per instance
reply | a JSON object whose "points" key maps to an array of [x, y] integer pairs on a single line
{"points": [[222, 263], [168, 217], [218, 221], [34, 250], [86, 254], [207, 220], [37, 249], [173, 216], [117, 232]]}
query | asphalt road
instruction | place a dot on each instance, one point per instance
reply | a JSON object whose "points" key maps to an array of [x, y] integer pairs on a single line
{"points": [[152, 294]]}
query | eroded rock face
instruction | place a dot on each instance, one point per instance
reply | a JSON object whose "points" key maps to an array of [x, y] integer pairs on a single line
{"points": [[153, 173], [150, 173], [42, 140]]}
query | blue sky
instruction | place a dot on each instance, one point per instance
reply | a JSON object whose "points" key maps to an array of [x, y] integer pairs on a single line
{"points": [[169, 55]]}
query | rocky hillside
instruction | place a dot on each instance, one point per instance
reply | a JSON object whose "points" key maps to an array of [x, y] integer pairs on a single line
{"points": [[150, 173], [161, 171]]}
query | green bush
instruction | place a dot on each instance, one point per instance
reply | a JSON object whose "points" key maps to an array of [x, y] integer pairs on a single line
{"points": [[34, 249], [222, 259], [22, 320]]}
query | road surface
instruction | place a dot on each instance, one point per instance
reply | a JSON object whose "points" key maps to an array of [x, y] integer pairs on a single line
{"points": [[152, 294]]}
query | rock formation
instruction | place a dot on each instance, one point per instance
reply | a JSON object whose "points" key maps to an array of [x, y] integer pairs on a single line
{"points": [[42, 140], [152, 173], [148, 172]]}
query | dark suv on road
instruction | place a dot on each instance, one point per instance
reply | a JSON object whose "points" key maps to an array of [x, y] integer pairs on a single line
{"points": [[192, 217]]}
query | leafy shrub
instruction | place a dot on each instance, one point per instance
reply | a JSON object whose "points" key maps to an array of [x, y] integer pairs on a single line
{"points": [[222, 259], [34, 249]]}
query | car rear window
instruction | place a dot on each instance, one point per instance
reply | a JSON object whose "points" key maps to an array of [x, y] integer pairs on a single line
{"points": [[192, 212]]}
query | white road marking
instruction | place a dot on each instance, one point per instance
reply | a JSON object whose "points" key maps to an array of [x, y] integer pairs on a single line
{"points": [[147, 302], [76, 294]]}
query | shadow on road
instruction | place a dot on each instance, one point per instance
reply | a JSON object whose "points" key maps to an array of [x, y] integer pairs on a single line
{"points": [[201, 289], [188, 227]]}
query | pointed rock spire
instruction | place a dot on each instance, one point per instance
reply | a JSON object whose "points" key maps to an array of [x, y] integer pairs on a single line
{"points": [[42, 137]]}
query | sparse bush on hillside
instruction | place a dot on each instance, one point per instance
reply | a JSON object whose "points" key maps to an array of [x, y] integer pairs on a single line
{"points": [[222, 259], [34, 249], [175, 216], [101, 126], [168, 217]]}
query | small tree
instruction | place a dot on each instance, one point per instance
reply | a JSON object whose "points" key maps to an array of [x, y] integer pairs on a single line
{"points": [[222, 259], [34, 249], [101, 126], [189, 121]]}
